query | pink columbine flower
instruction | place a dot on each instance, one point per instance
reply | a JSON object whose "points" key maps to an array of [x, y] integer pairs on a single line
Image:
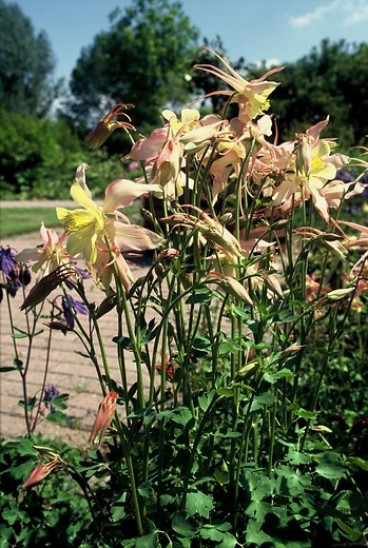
{"points": [[105, 414], [314, 166], [164, 150], [41, 472], [49, 255]]}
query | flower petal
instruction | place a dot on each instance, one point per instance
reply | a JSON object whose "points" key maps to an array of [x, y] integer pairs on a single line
{"points": [[135, 237], [122, 192]]}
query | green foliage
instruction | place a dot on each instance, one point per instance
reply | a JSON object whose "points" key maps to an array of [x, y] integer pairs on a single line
{"points": [[38, 158], [142, 59], [48, 515], [26, 65]]}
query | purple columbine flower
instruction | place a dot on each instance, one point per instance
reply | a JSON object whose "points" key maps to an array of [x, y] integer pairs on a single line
{"points": [[50, 393], [69, 304], [7, 261]]}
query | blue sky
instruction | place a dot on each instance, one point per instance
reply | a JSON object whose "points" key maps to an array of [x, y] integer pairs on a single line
{"points": [[276, 30]]}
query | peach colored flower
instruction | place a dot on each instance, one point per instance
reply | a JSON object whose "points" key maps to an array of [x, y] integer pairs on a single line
{"points": [[49, 256], [313, 167], [108, 124], [163, 152], [41, 472], [251, 96], [105, 414]]}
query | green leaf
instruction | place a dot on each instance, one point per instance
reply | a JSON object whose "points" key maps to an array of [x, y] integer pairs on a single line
{"points": [[357, 462], [146, 490], [148, 541], [228, 541], [199, 503], [331, 467], [201, 345], [10, 515], [31, 402], [282, 374], [205, 400], [262, 400], [182, 526], [228, 346], [240, 312], [254, 533], [5, 369], [57, 416], [354, 535], [58, 401], [179, 415], [202, 295]]}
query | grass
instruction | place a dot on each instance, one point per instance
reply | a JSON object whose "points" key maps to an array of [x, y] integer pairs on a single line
{"points": [[17, 220]]}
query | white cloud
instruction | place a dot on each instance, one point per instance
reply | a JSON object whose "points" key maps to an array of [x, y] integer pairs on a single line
{"points": [[351, 12], [357, 14], [315, 15], [268, 63]]}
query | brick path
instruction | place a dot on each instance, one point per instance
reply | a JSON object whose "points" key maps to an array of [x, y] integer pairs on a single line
{"points": [[68, 371]]}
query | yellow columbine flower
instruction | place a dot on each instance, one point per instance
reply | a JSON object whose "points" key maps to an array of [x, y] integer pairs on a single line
{"points": [[96, 234], [84, 226]]}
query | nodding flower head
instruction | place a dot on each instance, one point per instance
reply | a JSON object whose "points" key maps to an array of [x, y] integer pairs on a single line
{"points": [[7, 261], [108, 124], [50, 393]]}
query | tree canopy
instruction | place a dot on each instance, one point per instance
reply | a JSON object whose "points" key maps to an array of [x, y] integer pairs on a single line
{"points": [[142, 59], [26, 64]]}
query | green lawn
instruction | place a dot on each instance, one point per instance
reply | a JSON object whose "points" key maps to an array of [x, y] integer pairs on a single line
{"points": [[14, 221], [17, 220]]}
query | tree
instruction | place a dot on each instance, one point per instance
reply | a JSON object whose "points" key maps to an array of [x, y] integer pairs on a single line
{"points": [[26, 64], [331, 80], [142, 59]]}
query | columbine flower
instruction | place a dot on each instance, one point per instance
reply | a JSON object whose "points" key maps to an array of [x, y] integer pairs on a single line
{"points": [[7, 261], [252, 96], [104, 416], [170, 368], [49, 255], [314, 167], [163, 151], [95, 233], [41, 472], [50, 393], [108, 124], [15, 275], [71, 307]]}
